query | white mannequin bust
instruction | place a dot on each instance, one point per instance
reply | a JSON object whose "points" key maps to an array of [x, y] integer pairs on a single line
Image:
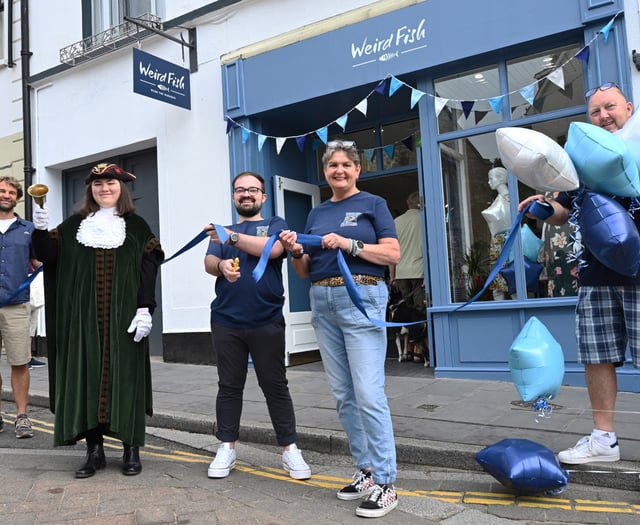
{"points": [[498, 214]]}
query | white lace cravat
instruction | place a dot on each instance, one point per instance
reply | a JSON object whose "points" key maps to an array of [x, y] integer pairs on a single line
{"points": [[103, 229]]}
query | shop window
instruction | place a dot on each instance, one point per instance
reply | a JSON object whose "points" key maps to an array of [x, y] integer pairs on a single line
{"points": [[476, 87], [3, 34], [534, 71], [110, 13], [478, 218], [384, 147]]}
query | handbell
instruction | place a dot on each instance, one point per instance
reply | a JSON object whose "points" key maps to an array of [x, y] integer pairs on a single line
{"points": [[38, 192]]}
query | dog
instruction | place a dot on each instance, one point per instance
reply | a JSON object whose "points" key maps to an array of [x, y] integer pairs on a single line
{"points": [[411, 340]]}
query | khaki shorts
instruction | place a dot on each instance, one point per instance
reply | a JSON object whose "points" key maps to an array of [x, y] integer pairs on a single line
{"points": [[14, 333]]}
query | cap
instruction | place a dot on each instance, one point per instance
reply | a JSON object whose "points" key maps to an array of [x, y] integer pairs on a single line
{"points": [[109, 171]]}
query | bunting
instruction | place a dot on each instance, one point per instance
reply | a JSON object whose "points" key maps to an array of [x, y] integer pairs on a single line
{"points": [[390, 84]]}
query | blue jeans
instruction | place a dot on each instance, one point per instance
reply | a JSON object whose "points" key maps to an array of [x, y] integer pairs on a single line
{"points": [[353, 354]]}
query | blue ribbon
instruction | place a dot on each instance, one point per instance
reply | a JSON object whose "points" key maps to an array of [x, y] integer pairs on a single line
{"points": [[25, 284], [222, 235], [315, 241], [535, 208]]}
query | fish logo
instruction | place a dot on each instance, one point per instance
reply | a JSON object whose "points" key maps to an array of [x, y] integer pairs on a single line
{"points": [[162, 87], [388, 56]]}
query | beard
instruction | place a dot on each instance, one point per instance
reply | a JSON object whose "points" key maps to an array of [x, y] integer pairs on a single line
{"points": [[245, 211]]}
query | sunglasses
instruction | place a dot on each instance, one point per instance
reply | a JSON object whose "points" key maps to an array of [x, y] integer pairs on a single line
{"points": [[341, 144], [603, 87]]}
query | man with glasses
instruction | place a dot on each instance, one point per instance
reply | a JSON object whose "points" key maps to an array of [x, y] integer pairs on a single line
{"points": [[247, 320], [608, 305]]}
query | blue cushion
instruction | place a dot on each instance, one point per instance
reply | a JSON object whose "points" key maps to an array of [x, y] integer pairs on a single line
{"points": [[536, 362], [523, 465], [603, 161], [609, 233]]}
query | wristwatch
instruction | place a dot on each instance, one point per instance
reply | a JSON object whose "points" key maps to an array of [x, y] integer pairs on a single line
{"points": [[357, 247], [234, 238], [299, 254]]}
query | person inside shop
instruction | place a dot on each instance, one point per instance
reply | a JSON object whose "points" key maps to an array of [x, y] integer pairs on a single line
{"points": [[247, 322], [606, 302], [353, 350], [100, 269], [498, 218]]}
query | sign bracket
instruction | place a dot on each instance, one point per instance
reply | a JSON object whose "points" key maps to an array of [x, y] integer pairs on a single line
{"points": [[191, 43]]}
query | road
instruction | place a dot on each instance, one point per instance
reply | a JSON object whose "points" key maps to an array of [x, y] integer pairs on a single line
{"points": [[37, 486]]}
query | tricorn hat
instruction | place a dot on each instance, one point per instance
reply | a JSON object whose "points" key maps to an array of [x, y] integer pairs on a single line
{"points": [[109, 171]]}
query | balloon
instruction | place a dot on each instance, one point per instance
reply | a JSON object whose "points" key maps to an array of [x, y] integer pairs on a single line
{"points": [[602, 160], [532, 271], [536, 160], [536, 361], [630, 135], [609, 233], [531, 243], [524, 465]]}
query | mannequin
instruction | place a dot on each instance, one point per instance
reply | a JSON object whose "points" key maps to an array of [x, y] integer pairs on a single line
{"points": [[498, 217]]}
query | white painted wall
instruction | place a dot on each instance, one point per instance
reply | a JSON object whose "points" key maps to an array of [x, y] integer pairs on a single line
{"points": [[89, 111]]}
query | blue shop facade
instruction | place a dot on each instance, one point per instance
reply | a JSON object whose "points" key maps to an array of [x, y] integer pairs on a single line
{"points": [[422, 90]]}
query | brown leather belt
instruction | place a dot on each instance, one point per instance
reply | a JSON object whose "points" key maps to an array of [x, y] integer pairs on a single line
{"points": [[339, 281]]}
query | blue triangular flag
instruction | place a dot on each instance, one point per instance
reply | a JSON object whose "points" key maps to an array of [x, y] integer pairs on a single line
{"points": [[342, 121], [369, 153], [230, 125], [467, 106], [605, 30], [261, 139], [389, 149], [416, 95], [527, 93], [583, 54], [381, 87], [322, 134], [245, 135], [496, 103], [300, 142], [394, 85]]}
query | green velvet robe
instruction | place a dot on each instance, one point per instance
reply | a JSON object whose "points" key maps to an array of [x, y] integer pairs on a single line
{"points": [[98, 376]]}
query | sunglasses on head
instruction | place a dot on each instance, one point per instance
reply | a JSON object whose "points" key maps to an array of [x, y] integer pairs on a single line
{"points": [[603, 87], [341, 144]]}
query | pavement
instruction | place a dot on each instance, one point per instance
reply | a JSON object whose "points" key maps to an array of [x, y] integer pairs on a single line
{"points": [[437, 422]]}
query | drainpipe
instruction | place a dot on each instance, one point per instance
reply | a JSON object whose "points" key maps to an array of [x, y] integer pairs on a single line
{"points": [[25, 55], [9, 11]]}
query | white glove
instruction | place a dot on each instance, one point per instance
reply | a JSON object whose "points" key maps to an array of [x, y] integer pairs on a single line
{"points": [[141, 323], [40, 217]]}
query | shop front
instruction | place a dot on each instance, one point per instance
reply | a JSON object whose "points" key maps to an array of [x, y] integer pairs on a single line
{"points": [[422, 91]]}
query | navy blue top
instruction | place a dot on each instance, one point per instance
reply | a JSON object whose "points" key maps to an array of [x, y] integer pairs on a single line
{"points": [[594, 273], [15, 254], [363, 217], [245, 303]]}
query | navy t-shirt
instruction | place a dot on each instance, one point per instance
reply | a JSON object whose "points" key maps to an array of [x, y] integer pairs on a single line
{"points": [[363, 217], [247, 303], [594, 273]]}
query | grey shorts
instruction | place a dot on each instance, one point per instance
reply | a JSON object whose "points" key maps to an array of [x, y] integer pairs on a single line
{"points": [[14, 333], [606, 320]]}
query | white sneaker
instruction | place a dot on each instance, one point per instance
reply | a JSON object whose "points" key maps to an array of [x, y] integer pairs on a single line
{"points": [[223, 463], [293, 463], [588, 450]]}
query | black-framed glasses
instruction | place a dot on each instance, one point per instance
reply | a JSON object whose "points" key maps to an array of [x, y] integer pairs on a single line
{"points": [[252, 190], [603, 87], [341, 144]]}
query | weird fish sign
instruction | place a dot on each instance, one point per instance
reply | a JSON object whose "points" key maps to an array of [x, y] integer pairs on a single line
{"points": [[162, 80]]}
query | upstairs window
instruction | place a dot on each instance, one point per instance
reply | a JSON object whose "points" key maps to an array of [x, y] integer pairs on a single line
{"points": [[110, 13]]}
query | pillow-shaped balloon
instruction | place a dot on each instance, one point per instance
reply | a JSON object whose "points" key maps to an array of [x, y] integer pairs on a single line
{"points": [[532, 271], [630, 135], [609, 233], [536, 362], [536, 160], [531, 244], [523, 465], [602, 160]]}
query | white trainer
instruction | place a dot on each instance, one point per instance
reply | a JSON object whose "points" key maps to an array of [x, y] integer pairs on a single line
{"points": [[223, 463], [588, 450], [293, 463]]}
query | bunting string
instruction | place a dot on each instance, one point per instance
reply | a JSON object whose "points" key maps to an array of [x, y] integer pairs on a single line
{"points": [[391, 84]]}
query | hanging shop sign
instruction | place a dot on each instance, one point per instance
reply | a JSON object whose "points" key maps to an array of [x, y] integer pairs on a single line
{"points": [[161, 80]]}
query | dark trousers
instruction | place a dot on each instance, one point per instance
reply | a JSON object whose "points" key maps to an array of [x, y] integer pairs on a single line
{"points": [[266, 345]]}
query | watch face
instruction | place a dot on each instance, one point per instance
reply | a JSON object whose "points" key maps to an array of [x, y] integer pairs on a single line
{"points": [[360, 245], [234, 238]]}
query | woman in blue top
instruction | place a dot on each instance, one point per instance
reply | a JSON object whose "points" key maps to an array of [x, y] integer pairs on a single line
{"points": [[353, 350]]}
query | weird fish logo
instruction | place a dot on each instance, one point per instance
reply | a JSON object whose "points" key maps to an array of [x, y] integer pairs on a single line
{"points": [[389, 47], [262, 231], [350, 219]]}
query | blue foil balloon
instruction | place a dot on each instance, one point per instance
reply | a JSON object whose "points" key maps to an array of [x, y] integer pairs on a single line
{"points": [[524, 466], [609, 233], [536, 362]]}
